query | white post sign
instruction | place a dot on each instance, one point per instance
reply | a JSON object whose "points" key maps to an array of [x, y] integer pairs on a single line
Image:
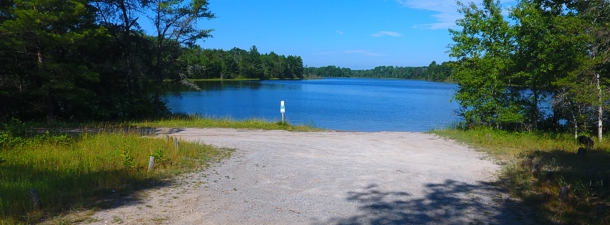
{"points": [[282, 109]]}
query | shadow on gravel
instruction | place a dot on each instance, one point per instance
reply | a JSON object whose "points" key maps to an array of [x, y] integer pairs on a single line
{"points": [[450, 202]]}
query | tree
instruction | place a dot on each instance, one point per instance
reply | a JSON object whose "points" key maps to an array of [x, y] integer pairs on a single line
{"points": [[48, 34], [596, 13], [254, 64], [121, 17], [175, 23], [482, 48], [295, 63], [555, 50]]}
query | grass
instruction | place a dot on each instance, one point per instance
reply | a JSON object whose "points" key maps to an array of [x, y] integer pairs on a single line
{"points": [[219, 79], [588, 177], [197, 121], [187, 121], [85, 171]]}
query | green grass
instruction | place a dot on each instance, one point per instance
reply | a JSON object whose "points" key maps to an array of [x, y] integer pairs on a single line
{"points": [[218, 79], [588, 176], [196, 121], [186, 121], [81, 172], [240, 79]]}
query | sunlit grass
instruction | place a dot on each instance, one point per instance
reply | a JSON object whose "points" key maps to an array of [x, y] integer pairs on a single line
{"points": [[185, 121], [197, 121], [220, 79], [587, 176], [79, 172]]}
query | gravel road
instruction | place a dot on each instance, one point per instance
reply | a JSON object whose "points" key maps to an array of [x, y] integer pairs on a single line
{"points": [[279, 177]]}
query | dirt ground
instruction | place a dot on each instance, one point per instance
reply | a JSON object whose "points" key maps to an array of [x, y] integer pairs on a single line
{"points": [[280, 177]]}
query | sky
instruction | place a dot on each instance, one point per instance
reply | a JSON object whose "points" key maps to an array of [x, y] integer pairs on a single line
{"points": [[359, 34]]}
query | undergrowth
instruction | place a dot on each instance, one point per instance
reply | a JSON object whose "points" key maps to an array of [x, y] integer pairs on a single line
{"points": [[588, 176]]}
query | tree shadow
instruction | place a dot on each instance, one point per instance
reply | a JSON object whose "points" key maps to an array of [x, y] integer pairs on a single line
{"points": [[63, 192], [588, 179], [451, 202], [569, 165]]}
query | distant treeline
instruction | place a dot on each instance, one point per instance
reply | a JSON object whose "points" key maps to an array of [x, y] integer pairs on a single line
{"points": [[433, 72], [239, 63]]}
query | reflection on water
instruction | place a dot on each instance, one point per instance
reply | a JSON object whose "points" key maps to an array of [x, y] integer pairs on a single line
{"points": [[339, 104]]}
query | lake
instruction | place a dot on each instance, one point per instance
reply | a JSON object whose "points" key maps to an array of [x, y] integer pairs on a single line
{"points": [[346, 104]]}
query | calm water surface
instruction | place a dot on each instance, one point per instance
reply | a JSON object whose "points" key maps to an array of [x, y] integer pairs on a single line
{"points": [[337, 104]]}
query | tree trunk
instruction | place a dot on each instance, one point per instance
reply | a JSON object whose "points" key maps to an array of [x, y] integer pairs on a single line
{"points": [[599, 110], [49, 97], [575, 125]]}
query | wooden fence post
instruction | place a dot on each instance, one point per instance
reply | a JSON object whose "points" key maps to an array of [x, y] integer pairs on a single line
{"points": [[176, 143], [151, 163], [35, 198]]}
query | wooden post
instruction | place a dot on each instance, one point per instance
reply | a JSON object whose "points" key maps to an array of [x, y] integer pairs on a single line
{"points": [[35, 198], [536, 169], [564, 194], [176, 143], [151, 163]]}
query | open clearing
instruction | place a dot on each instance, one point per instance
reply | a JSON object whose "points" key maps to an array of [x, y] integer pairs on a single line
{"points": [[280, 177]]}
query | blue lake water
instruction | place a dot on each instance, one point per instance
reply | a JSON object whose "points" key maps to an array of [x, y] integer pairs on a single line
{"points": [[336, 104]]}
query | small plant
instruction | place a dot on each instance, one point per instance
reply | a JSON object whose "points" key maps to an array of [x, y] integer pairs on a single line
{"points": [[158, 154], [15, 132], [282, 123], [127, 159]]}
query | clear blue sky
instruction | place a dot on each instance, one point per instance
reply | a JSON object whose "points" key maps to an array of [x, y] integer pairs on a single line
{"points": [[355, 34]]}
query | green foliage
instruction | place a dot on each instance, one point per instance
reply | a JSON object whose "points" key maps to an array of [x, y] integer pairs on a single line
{"points": [[482, 48], [546, 69], [239, 64], [127, 158], [159, 155], [14, 132], [433, 72], [40, 42]]}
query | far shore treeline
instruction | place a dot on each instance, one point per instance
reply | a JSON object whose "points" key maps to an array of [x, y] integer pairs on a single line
{"points": [[433, 72]]}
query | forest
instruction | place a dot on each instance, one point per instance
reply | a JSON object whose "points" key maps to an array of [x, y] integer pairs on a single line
{"points": [[241, 64], [541, 64], [433, 72], [92, 60]]}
